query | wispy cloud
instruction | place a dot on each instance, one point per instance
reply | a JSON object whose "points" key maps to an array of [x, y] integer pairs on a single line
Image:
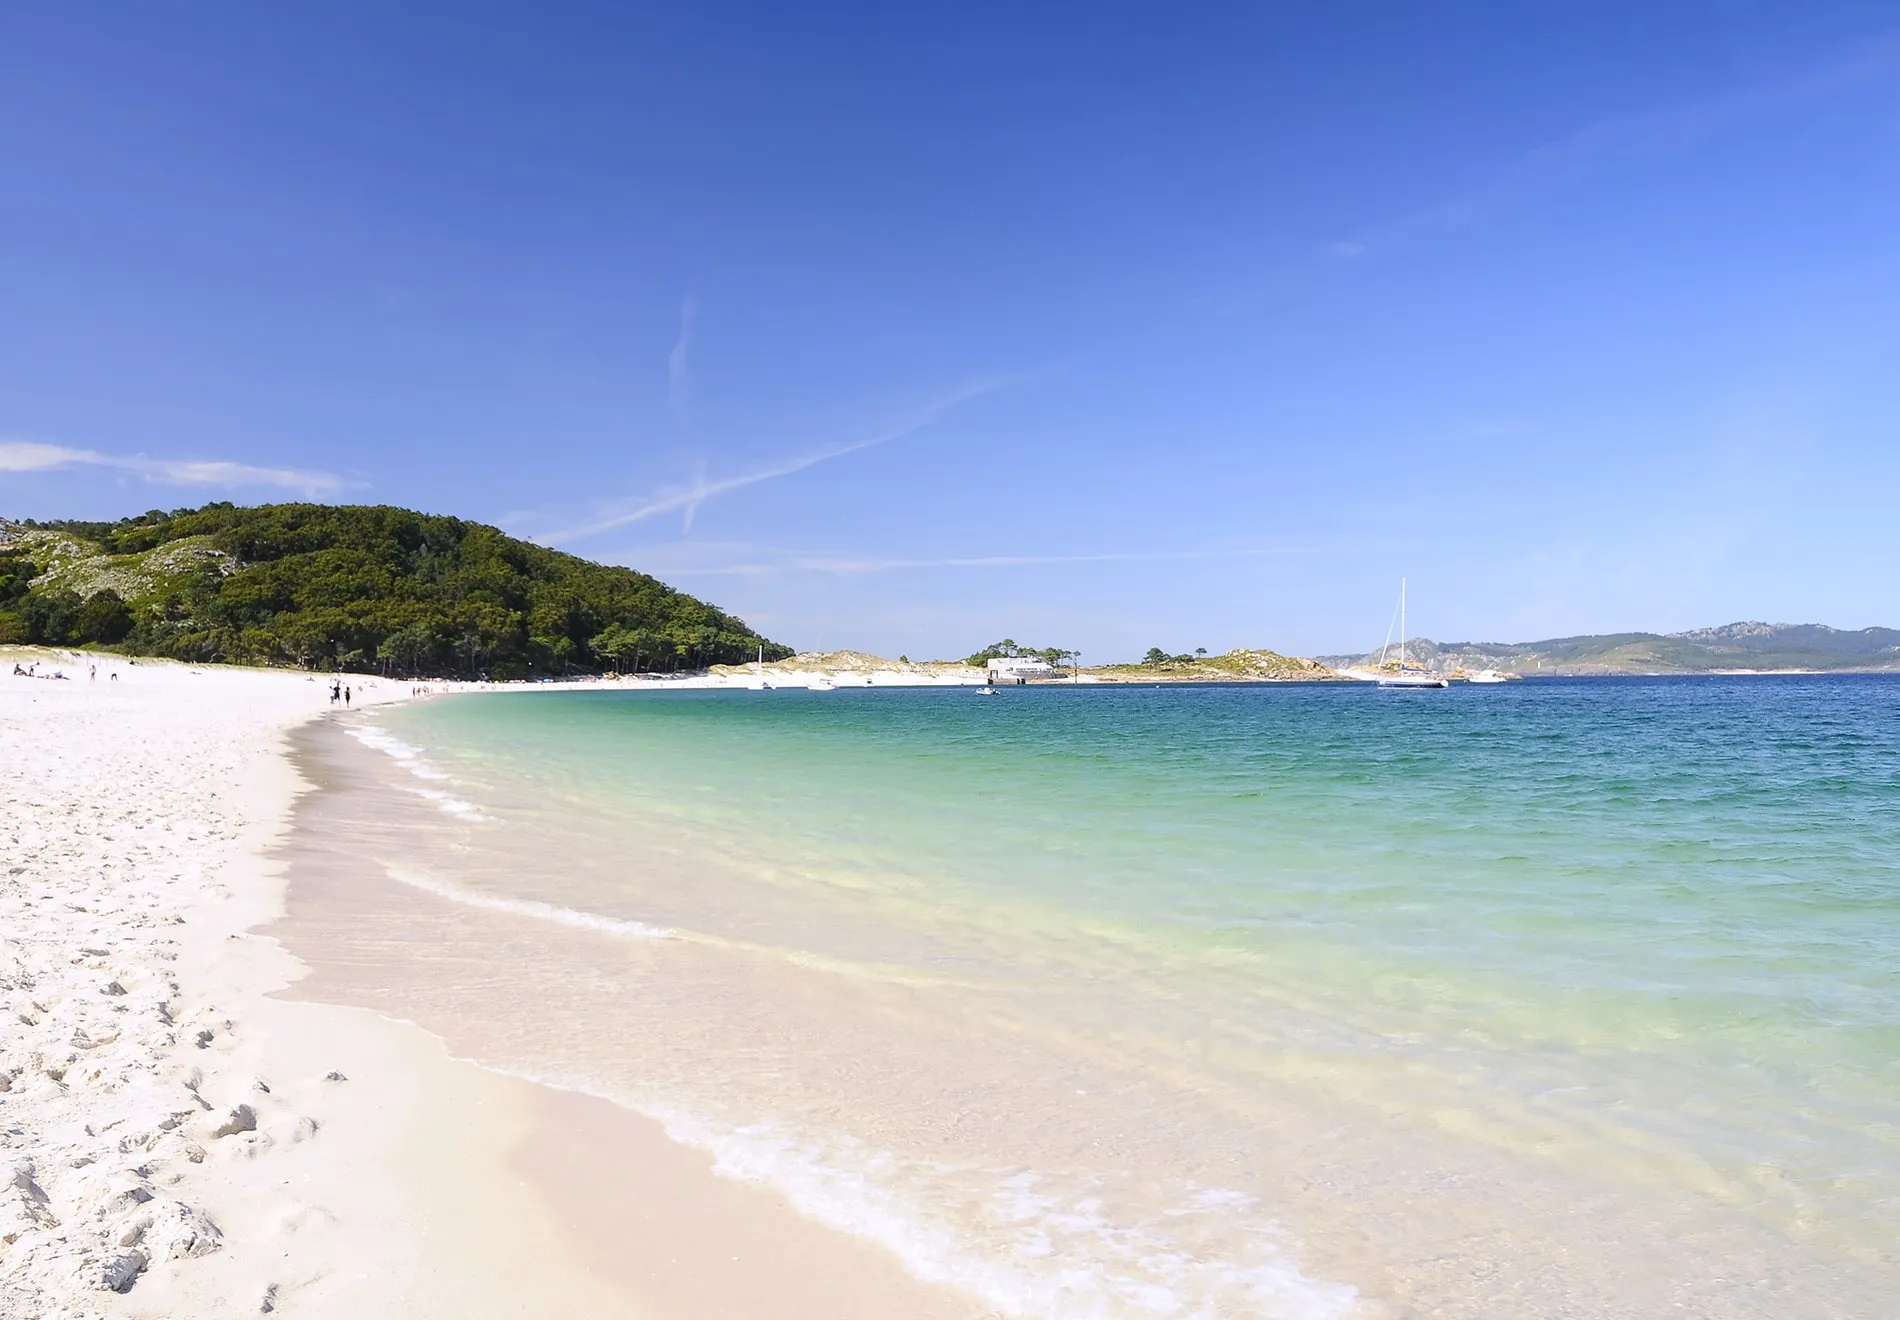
{"points": [[1619, 140], [688, 497], [36, 456], [679, 376], [795, 562], [1572, 158]]}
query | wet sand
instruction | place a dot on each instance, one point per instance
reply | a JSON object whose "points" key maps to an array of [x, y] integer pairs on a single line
{"points": [[642, 1214]]}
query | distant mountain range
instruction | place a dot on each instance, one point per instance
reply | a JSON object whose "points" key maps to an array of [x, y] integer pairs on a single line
{"points": [[1731, 648]]}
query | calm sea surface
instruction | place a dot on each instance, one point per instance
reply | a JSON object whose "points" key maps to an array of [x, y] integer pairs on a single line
{"points": [[1561, 998]]}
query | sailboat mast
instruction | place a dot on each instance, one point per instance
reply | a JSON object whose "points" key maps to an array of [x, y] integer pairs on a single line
{"points": [[1401, 623]]}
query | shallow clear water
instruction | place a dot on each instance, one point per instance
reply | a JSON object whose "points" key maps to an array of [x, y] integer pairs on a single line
{"points": [[1556, 998]]}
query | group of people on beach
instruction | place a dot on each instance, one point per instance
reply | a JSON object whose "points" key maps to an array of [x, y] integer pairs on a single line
{"points": [[33, 671], [339, 692]]}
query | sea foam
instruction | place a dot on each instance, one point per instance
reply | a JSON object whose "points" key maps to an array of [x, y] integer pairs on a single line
{"points": [[389, 745], [455, 806], [1036, 1254], [1061, 1256], [412, 760], [520, 907]]}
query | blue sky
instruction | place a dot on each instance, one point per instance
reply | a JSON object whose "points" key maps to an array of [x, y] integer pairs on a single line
{"points": [[908, 327]]}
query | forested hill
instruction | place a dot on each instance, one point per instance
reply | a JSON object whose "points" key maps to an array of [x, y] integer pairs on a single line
{"points": [[354, 587]]}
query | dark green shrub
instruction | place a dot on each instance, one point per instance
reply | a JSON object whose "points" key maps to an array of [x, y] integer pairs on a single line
{"points": [[15, 573], [52, 617], [104, 618]]}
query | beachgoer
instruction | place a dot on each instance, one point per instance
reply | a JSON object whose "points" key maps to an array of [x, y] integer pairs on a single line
{"points": [[346, 696]]}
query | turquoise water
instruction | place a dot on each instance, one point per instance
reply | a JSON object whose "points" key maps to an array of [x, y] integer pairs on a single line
{"points": [[1243, 1000]]}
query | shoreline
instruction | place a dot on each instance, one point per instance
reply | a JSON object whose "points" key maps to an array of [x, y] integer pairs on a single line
{"points": [[891, 1098], [658, 1219]]}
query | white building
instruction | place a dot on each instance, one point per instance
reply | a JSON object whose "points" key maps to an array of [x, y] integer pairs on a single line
{"points": [[1008, 669]]}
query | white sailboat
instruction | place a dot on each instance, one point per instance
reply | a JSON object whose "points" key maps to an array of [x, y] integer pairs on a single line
{"points": [[759, 683], [1409, 675]]}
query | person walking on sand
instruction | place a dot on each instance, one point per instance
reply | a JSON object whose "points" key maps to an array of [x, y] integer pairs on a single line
{"points": [[346, 696], [336, 692]]}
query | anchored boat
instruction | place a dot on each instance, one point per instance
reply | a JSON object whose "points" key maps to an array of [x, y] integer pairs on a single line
{"points": [[1409, 675]]}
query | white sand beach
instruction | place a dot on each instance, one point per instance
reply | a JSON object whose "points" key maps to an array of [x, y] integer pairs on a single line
{"points": [[175, 1141]]}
